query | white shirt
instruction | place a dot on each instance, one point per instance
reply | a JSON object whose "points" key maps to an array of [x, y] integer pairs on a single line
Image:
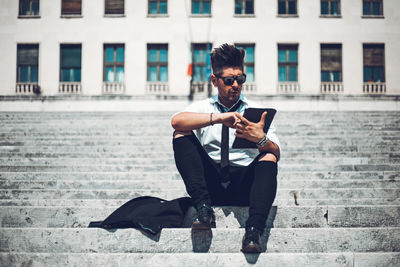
{"points": [[210, 136]]}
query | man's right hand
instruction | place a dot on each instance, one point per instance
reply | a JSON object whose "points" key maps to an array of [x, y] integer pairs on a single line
{"points": [[229, 119]]}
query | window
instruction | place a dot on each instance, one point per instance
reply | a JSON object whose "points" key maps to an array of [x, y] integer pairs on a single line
{"points": [[373, 7], [114, 7], [71, 7], [27, 63], [331, 62], [287, 63], [244, 7], [158, 7], [201, 62], [330, 7], [287, 7], [71, 55], [157, 62], [248, 61], [114, 58], [29, 7], [201, 7], [374, 62]]}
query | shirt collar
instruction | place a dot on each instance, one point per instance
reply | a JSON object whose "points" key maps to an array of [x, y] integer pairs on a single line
{"points": [[215, 99]]}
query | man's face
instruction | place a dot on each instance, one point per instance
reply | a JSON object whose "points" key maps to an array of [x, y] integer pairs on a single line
{"points": [[228, 94]]}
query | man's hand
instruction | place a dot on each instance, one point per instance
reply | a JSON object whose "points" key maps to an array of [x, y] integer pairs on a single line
{"points": [[230, 119], [251, 131]]}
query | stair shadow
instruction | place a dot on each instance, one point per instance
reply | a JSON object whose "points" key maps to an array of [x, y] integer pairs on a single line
{"points": [[201, 240]]}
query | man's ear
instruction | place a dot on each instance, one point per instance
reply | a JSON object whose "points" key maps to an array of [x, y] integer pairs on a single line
{"points": [[214, 80]]}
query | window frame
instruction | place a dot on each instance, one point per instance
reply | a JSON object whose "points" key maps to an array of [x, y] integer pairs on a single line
{"points": [[330, 15], [338, 46], [20, 15], [115, 64], [202, 64], [243, 14], [19, 46], [369, 46], [248, 64], [114, 14], [60, 67], [158, 64], [296, 14], [158, 14], [288, 64], [201, 14], [71, 15], [371, 15]]}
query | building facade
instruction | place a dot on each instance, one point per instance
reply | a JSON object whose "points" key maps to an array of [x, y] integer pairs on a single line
{"points": [[161, 47]]}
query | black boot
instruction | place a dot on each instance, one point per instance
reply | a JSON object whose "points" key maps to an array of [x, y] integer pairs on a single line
{"points": [[205, 218], [251, 242]]}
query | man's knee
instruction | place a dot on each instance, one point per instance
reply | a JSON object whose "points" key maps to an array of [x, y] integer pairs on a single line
{"points": [[268, 157], [178, 134]]}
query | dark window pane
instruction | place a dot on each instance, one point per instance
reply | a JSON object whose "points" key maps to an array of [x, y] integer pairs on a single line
{"points": [[282, 7], [65, 75], [195, 7], [163, 7], [71, 7], [292, 55], [324, 8], [153, 7], [282, 74], [163, 55], [376, 8], [197, 74], [282, 56], [109, 54], [292, 7], [120, 54], [238, 7], [336, 76], [293, 74], [368, 74], [324, 76], [114, 7], [206, 7], [249, 57], [34, 74], [152, 55], [378, 74], [35, 7], [366, 8], [71, 56], [249, 7], [77, 74], [334, 8], [24, 74]]}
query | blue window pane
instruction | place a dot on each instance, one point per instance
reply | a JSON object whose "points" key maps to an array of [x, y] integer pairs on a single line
{"points": [[292, 7], [77, 75], [120, 74], [109, 54], [65, 75], [292, 55], [25, 8], [152, 74], [238, 7], [324, 76], [110, 74], [197, 56], [163, 74], [324, 8], [34, 74], [197, 74], [23, 74], [334, 8], [282, 7], [206, 7], [376, 8], [153, 7], [249, 7], [368, 74], [293, 74], [366, 8], [35, 8], [163, 7], [249, 54], [250, 74], [120, 54], [378, 74], [163, 55], [152, 55], [282, 74], [282, 56], [335, 76], [195, 7]]}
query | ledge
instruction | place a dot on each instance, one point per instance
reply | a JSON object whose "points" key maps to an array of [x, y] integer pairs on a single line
{"points": [[29, 16]]}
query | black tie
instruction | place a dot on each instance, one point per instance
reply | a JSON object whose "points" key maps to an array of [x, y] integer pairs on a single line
{"points": [[225, 145]]}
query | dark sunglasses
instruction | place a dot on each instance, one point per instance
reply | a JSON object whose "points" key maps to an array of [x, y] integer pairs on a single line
{"points": [[229, 80]]}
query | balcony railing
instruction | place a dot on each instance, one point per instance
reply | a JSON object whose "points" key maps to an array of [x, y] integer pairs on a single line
{"points": [[374, 88], [249, 88], [288, 88], [27, 88], [159, 88], [199, 88], [70, 88], [331, 87], [113, 88]]}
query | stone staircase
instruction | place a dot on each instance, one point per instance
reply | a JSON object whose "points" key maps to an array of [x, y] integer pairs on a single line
{"points": [[338, 200]]}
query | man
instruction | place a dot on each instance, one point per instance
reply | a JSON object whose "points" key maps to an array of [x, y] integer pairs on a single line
{"points": [[213, 172]]}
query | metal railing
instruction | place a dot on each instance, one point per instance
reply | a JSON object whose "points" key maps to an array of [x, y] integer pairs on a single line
{"points": [[158, 88], [331, 87], [374, 88], [113, 88], [288, 87], [70, 88]]}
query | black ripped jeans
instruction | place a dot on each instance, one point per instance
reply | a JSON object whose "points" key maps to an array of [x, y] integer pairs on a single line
{"points": [[254, 185]]}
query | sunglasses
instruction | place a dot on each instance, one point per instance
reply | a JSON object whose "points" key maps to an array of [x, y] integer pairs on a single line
{"points": [[229, 80]]}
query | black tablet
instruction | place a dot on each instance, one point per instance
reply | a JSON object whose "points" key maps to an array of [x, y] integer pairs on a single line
{"points": [[254, 115]]}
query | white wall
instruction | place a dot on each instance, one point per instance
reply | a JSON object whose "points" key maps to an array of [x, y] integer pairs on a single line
{"points": [[136, 29]]}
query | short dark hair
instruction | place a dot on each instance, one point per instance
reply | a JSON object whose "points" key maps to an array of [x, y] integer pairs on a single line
{"points": [[226, 56]]}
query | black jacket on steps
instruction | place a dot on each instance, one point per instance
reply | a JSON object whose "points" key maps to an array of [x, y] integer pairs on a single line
{"points": [[149, 214]]}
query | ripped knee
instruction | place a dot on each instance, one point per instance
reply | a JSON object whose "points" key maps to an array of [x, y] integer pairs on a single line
{"points": [[268, 157], [178, 134]]}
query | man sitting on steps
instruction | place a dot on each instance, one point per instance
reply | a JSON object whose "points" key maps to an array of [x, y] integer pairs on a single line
{"points": [[213, 172]]}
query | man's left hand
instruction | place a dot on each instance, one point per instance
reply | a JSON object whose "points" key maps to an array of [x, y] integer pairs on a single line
{"points": [[251, 131]]}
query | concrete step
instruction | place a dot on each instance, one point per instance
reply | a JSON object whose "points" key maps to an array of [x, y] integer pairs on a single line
{"points": [[154, 183], [300, 240], [298, 194], [226, 217], [347, 259]]}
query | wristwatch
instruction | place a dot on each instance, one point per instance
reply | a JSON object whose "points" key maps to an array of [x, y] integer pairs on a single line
{"points": [[263, 142]]}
